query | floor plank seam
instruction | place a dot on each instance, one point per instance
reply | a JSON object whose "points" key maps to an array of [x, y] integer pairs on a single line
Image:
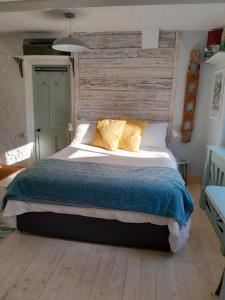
{"points": [[52, 274]]}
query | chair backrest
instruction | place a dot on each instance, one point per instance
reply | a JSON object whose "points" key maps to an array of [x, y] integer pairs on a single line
{"points": [[214, 173]]}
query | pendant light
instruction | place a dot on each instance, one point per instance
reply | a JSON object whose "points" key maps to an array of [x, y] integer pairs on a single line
{"points": [[69, 43]]}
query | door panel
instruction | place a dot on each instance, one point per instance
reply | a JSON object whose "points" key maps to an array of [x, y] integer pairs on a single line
{"points": [[44, 144], [43, 106], [51, 86], [60, 142], [61, 111]]}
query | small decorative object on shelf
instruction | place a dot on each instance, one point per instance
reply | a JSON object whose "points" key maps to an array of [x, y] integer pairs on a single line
{"points": [[222, 47], [215, 43], [190, 95], [214, 37]]}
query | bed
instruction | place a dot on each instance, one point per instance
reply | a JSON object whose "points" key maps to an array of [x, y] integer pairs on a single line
{"points": [[102, 224]]}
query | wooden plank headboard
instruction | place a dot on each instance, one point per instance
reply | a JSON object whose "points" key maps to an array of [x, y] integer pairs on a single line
{"points": [[120, 79]]}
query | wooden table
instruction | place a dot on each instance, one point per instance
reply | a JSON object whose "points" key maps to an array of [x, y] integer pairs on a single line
{"points": [[6, 181]]}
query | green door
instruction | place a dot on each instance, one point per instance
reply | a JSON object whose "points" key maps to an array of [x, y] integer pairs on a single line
{"points": [[51, 86]]}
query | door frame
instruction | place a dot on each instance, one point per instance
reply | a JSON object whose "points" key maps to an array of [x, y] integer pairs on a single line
{"points": [[28, 63]]}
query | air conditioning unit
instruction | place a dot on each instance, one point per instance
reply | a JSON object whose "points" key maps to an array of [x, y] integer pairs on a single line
{"points": [[40, 47]]}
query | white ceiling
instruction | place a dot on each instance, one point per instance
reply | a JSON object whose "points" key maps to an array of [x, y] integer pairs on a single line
{"points": [[9, 0], [118, 18]]}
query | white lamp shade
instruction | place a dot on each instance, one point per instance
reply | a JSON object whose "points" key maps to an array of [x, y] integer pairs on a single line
{"points": [[69, 44]]}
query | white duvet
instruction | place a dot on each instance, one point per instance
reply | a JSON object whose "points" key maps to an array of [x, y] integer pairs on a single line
{"points": [[145, 157]]}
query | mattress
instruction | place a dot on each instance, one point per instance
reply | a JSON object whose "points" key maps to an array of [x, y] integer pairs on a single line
{"points": [[145, 157]]}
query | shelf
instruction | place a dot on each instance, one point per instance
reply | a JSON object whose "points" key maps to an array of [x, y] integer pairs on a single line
{"points": [[216, 59], [44, 57], [49, 58]]}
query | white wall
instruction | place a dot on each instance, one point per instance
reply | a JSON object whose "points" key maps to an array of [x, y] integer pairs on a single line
{"points": [[12, 96], [195, 150], [12, 101]]}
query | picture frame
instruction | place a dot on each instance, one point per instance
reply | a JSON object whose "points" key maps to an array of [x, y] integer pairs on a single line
{"points": [[217, 94]]}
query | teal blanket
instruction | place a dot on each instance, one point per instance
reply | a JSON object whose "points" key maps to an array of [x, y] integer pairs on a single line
{"points": [[154, 190]]}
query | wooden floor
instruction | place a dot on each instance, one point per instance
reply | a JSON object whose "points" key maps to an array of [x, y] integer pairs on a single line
{"points": [[48, 269]]}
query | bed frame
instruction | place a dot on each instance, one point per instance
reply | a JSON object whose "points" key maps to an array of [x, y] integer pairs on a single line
{"points": [[144, 235], [112, 232]]}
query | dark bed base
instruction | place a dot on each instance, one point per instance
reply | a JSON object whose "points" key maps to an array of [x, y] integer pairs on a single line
{"points": [[144, 235]]}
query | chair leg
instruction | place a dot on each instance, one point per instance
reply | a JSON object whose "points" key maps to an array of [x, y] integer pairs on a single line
{"points": [[203, 199], [218, 290], [223, 243], [222, 290]]}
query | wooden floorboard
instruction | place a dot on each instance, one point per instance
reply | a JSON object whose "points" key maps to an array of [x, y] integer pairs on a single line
{"points": [[38, 268]]}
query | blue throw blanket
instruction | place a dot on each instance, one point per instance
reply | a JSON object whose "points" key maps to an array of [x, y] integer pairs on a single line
{"points": [[154, 190]]}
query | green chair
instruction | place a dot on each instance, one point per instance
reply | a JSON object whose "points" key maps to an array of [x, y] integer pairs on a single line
{"points": [[215, 208], [213, 191]]}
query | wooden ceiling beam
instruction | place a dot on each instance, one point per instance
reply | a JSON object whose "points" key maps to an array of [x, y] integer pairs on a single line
{"points": [[36, 5]]}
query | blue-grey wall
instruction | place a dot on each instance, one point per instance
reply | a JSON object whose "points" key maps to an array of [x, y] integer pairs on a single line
{"points": [[195, 150]]}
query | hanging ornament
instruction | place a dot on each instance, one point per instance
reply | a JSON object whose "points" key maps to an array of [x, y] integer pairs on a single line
{"points": [[190, 95]]}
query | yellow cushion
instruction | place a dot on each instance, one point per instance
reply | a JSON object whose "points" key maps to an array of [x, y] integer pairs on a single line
{"points": [[131, 137], [108, 133]]}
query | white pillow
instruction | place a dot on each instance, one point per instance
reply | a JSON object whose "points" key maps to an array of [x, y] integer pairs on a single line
{"points": [[154, 135], [84, 132]]}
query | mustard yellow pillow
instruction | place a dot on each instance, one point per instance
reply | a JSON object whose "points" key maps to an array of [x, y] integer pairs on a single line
{"points": [[108, 133], [131, 137]]}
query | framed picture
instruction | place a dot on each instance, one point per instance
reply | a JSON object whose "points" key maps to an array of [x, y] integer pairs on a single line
{"points": [[217, 94]]}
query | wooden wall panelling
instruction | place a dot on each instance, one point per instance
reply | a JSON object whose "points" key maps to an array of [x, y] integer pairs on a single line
{"points": [[137, 113], [110, 53], [167, 39], [120, 73], [112, 40], [76, 86], [157, 53], [125, 84], [124, 105], [161, 63], [119, 79], [160, 95], [174, 81], [167, 36]]}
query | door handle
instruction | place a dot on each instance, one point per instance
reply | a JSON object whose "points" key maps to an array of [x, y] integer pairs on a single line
{"points": [[38, 130], [70, 127]]}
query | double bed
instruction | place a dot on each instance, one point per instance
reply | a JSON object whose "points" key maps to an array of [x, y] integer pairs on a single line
{"points": [[105, 221]]}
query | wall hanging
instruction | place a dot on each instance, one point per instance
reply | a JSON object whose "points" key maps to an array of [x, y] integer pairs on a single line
{"points": [[217, 94], [190, 95]]}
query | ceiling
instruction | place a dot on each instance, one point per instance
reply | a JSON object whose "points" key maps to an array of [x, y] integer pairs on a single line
{"points": [[118, 18]]}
